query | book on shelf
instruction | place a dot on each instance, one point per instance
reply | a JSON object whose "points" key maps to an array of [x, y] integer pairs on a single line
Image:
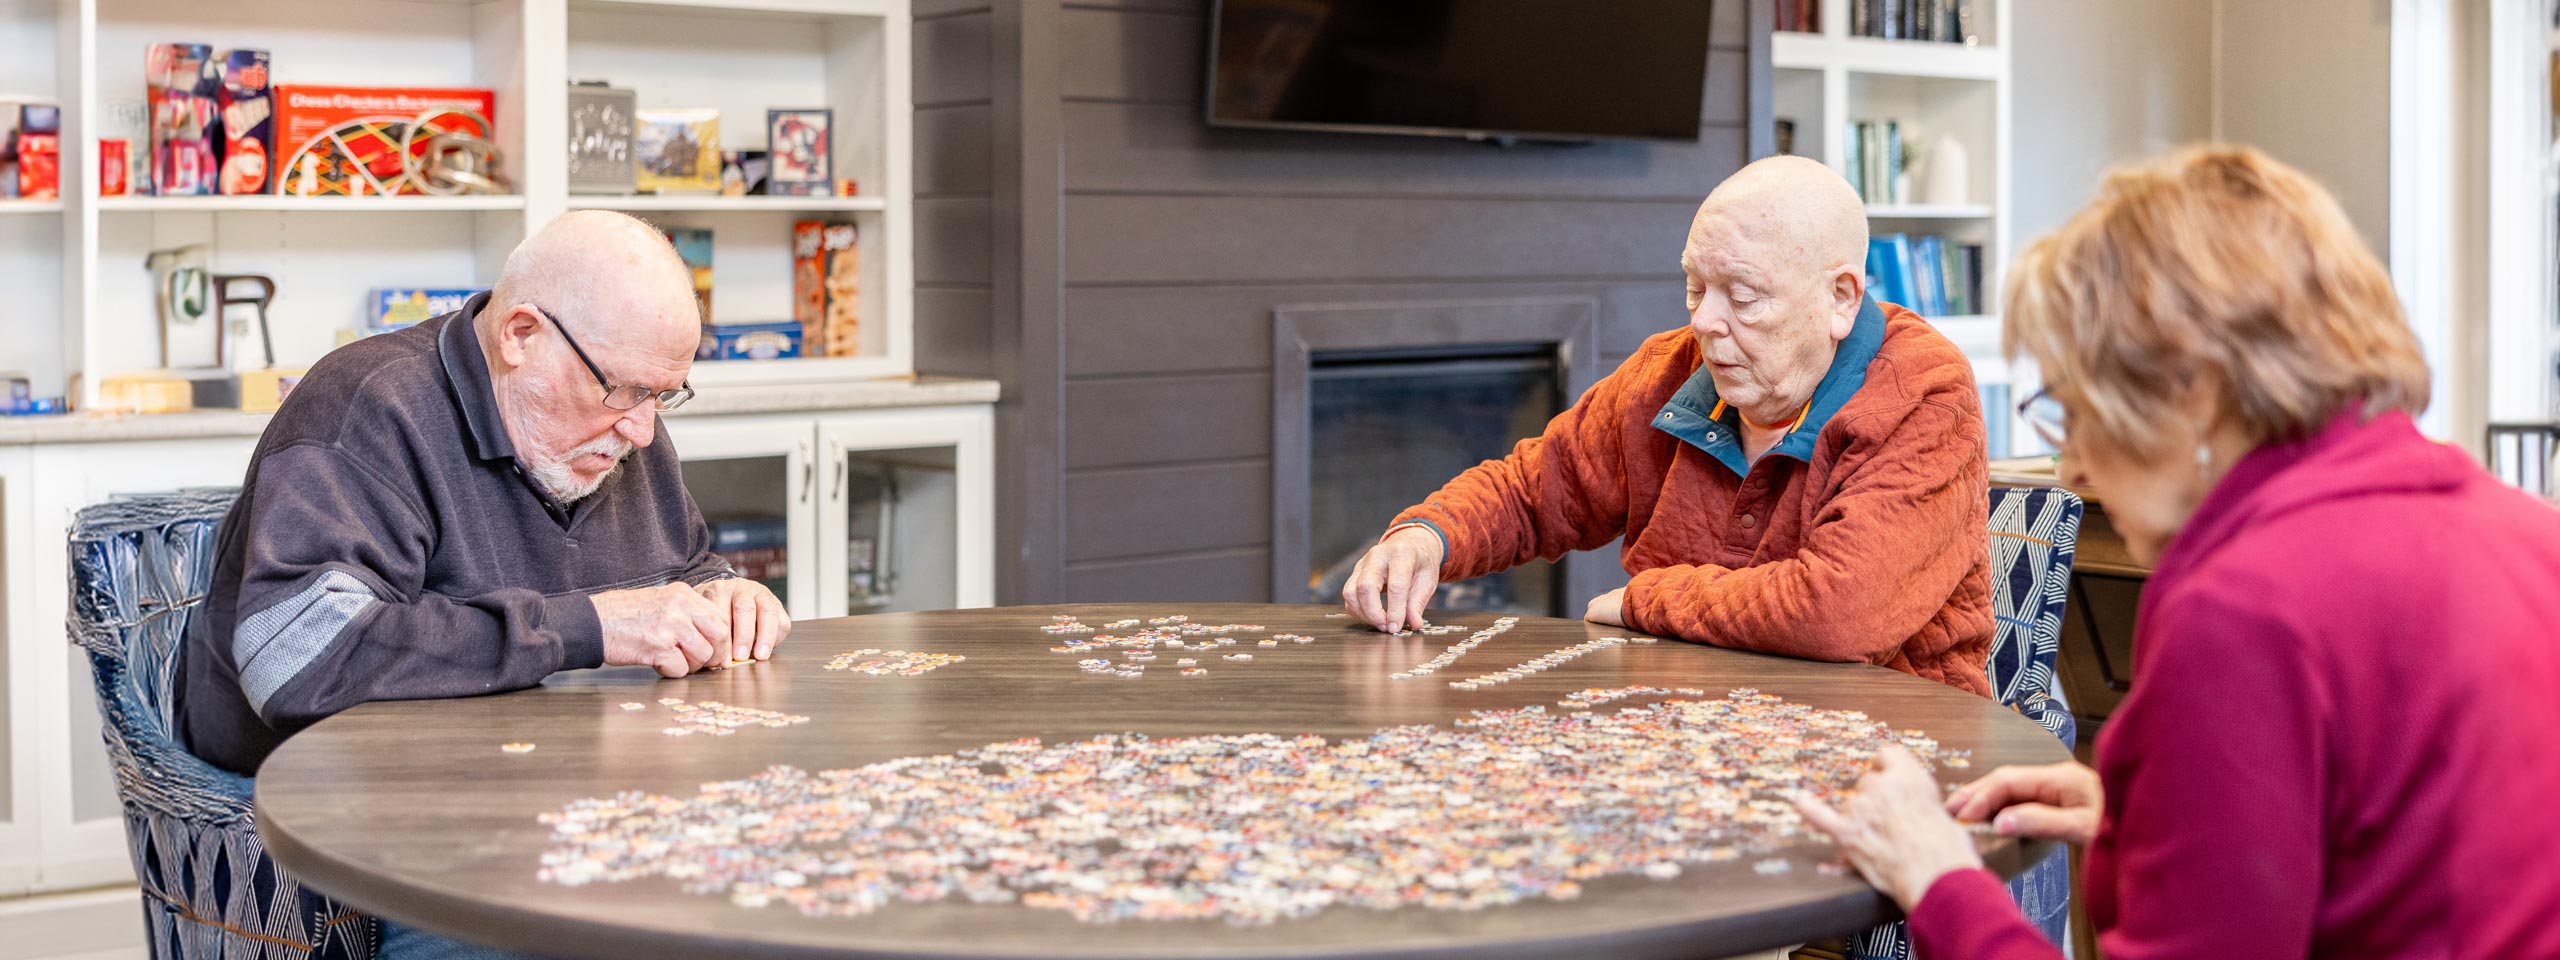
{"points": [[1972, 273], [1875, 160], [1854, 139], [1799, 16], [1889, 268], [1928, 279], [1941, 21], [1930, 275]]}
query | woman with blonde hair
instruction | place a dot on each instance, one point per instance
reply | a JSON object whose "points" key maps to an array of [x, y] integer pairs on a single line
{"points": [[2342, 739]]}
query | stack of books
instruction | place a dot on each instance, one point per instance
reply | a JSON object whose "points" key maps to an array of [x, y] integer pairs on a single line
{"points": [[1875, 157], [1929, 275], [1942, 21]]}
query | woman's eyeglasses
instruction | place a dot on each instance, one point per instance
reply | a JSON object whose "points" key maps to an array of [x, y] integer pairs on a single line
{"points": [[2044, 413]]}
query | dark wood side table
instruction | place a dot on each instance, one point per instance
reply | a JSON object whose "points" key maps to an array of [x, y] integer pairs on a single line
{"points": [[410, 809]]}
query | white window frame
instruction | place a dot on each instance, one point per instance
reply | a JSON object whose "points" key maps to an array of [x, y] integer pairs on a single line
{"points": [[2521, 161], [2423, 188]]}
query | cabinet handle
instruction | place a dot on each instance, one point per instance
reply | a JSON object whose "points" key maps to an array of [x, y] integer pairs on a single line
{"points": [[835, 487], [808, 473]]}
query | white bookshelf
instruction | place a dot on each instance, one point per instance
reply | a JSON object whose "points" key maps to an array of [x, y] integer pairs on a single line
{"points": [[1827, 80], [80, 300], [75, 265]]}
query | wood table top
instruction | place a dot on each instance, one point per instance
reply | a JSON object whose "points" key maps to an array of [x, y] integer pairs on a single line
{"points": [[411, 811]]}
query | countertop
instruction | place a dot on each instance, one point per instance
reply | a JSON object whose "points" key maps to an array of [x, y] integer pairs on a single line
{"points": [[712, 401]]}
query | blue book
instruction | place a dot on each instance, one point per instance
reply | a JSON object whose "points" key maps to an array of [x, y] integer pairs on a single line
{"points": [[1929, 275], [1895, 277], [1876, 254]]}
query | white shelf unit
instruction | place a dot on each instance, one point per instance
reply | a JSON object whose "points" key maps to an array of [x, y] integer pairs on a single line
{"points": [[81, 306], [1824, 81], [743, 57], [35, 268], [76, 266]]}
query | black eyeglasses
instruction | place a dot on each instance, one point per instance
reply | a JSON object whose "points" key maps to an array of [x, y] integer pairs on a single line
{"points": [[2045, 415], [619, 396]]}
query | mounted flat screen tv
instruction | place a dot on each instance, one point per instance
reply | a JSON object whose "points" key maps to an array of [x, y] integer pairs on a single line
{"points": [[1480, 69]]}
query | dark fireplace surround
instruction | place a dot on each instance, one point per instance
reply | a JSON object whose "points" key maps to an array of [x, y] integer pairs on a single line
{"points": [[1299, 333]]}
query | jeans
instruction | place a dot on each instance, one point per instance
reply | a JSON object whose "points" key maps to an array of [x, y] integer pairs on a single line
{"points": [[411, 943]]}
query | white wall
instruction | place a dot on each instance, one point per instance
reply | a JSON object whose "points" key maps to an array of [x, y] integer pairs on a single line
{"points": [[2099, 84], [2309, 82]]}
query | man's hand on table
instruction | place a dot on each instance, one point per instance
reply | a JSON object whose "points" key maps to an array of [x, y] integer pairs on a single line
{"points": [[756, 619], [1608, 608], [1393, 582], [671, 628]]}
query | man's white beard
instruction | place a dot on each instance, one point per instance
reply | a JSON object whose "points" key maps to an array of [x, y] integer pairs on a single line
{"points": [[554, 478]]}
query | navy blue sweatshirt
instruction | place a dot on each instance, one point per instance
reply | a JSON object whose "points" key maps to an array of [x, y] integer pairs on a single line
{"points": [[386, 546]]}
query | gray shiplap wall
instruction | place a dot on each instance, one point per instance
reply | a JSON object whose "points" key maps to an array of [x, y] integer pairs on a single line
{"points": [[1084, 237]]}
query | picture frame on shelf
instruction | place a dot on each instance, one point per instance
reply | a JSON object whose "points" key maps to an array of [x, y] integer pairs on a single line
{"points": [[800, 142], [600, 146], [677, 150]]}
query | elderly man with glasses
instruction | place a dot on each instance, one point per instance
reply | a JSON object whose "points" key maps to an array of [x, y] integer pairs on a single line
{"points": [[473, 503]]}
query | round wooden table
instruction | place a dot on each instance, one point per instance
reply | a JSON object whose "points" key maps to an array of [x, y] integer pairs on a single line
{"points": [[410, 810]]}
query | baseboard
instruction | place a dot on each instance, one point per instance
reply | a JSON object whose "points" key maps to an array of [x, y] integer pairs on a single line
{"points": [[83, 925]]}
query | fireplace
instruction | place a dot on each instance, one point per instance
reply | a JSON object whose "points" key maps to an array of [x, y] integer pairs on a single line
{"points": [[1377, 405], [1388, 427]]}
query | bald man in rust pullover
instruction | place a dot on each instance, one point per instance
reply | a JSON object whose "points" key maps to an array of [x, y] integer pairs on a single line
{"points": [[1800, 472]]}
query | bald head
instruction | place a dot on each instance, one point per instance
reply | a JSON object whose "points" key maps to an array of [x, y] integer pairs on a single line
{"points": [[1793, 209], [1776, 271], [592, 303], [613, 279]]}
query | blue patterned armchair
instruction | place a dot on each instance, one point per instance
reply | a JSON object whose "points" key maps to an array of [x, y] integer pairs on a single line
{"points": [[139, 568], [2033, 530]]}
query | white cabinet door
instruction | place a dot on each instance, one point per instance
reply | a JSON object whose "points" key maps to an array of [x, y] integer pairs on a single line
{"points": [[21, 768], [53, 707], [906, 519], [750, 474]]}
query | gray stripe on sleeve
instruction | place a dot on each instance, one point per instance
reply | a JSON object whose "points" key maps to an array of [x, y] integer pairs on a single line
{"points": [[273, 645]]}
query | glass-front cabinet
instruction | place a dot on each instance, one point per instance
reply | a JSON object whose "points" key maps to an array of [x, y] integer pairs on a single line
{"points": [[751, 478], [849, 514]]}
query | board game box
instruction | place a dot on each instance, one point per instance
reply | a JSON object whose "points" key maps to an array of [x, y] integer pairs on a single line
{"points": [[826, 285], [348, 141]]}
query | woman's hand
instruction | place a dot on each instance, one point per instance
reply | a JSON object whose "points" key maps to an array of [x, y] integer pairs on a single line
{"points": [[2057, 801], [1894, 829]]}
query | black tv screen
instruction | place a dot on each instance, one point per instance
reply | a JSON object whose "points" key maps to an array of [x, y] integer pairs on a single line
{"points": [[1531, 69]]}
